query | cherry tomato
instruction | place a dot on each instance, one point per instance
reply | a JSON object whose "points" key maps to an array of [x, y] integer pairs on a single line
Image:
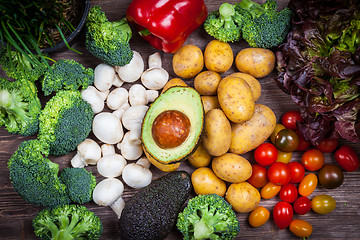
{"points": [[313, 159], [323, 204], [279, 173], [297, 171], [270, 190], [290, 119], [286, 140], [308, 184], [303, 144], [266, 154], [302, 205], [327, 145], [277, 128], [284, 157], [301, 228], [288, 193], [346, 157], [331, 176], [259, 216], [283, 214], [258, 177]]}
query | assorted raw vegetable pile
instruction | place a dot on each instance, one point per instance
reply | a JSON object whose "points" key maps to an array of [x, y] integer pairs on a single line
{"points": [[205, 117]]}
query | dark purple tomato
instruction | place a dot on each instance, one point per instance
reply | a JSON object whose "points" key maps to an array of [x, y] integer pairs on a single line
{"points": [[331, 176], [286, 140]]}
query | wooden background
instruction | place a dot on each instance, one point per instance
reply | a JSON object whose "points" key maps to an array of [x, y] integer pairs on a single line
{"points": [[343, 223]]}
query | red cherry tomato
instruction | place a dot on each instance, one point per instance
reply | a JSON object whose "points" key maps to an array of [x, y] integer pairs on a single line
{"points": [[258, 177], [303, 144], [313, 159], [279, 173], [283, 214], [288, 193], [346, 157], [302, 205], [266, 154], [297, 171], [290, 119], [328, 145]]}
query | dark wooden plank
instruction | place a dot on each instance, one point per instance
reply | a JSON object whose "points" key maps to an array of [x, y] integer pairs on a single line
{"points": [[16, 215]]}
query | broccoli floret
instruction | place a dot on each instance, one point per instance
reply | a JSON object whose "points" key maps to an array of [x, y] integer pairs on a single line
{"points": [[34, 177], [67, 222], [108, 41], [208, 217], [19, 106], [65, 121], [80, 184], [225, 24], [66, 74], [266, 28]]}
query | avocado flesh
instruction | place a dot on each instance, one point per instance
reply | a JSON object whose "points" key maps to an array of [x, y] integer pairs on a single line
{"points": [[186, 100]]}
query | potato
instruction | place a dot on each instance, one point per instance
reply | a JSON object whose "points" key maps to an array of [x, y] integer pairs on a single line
{"points": [[253, 83], [206, 82], [200, 158], [217, 132], [210, 102], [218, 56], [188, 61], [236, 99], [205, 181], [258, 62], [173, 82], [243, 197], [248, 135], [232, 168]]}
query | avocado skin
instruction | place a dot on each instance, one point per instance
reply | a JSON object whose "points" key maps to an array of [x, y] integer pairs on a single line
{"points": [[152, 212]]}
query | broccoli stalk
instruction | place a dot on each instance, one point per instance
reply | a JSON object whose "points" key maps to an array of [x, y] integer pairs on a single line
{"points": [[67, 222], [208, 217], [108, 41]]}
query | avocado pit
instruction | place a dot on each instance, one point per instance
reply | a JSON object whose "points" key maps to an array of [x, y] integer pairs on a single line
{"points": [[170, 129]]}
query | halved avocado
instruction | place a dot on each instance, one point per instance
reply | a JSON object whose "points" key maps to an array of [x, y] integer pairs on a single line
{"points": [[173, 125]]}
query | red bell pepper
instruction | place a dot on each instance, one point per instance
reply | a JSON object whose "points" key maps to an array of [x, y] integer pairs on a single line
{"points": [[166, 24]]}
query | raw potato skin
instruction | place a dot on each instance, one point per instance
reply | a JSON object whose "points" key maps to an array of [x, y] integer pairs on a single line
{"points": [[210, 102], [205, 181], [232, 168], [200, 158], [217, 132], [258, 62], [236, 99], [218, 56], [253, 83], [206, 82], [249, 135], [188, 61], [173, 82], [243, 197]]}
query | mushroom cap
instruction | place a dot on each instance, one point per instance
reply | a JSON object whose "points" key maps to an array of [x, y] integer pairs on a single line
{"points": [[107, 128], [108, 191], [136, 176], [111, 165]]}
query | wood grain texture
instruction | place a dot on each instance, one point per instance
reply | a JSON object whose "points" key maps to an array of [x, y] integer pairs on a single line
{"points": [[343, 223]]}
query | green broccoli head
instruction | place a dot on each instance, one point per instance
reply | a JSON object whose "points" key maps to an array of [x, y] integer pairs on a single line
{"points": [[65, 121], [34, 177], [80, 184], [19, 106], [208, 217], [66, 74], [67, 222], [108, 41]]}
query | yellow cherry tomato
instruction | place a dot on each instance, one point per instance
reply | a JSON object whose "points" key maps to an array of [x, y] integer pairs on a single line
{"points": [[323, 204], [259, 216], [308, 184], [284, 157], [301, 228], [269, 190]]}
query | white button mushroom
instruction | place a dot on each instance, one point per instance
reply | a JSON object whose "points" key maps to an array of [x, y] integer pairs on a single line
{"points": [[136, 176], [128, 150], [95, 98], [105, 76], [107, 149], [143, 161], [88, 152], [155, 77], [108, 192], [107, 128], [133, 70], [138, 95], [132, 120], [111, 165], [117, 98]]}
